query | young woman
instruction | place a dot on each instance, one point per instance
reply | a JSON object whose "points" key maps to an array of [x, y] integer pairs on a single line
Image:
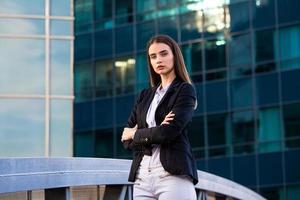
{"points": [[163, 166]]}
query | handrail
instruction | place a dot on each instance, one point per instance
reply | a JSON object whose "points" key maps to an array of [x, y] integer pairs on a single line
{"points": [[26, 174]]}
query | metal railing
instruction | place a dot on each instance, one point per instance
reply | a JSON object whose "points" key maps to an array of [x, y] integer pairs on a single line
{"points": [[56, 175]]}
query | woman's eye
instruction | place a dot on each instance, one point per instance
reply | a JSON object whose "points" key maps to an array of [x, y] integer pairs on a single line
{"points": [[164, 53], [153, 57]]}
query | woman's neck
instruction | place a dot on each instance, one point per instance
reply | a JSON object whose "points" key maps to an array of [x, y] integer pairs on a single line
{"points": [[167, 79]]}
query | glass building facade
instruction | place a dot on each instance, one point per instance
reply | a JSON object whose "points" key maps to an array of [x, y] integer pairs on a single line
{"points": [[36, 78], [244, 59]]}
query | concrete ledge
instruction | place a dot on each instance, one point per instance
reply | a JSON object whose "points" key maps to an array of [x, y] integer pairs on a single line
{"points": [[22, 174]]}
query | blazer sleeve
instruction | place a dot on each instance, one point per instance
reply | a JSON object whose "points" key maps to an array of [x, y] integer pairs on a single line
{"points": [[131, 122], [183, 109]]}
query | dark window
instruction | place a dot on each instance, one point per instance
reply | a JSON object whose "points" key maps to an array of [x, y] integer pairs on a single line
{"points": [[104, 143], [103, 9], [124, 106], [239, 51], [267, 89], [216, 96], [103, 113], [145, 5], [263, 13], [83, 82], [288, 11], [192, 54], [123, 7], [291, 117], [241, 93], [196, 136], [239, 16], [144, 32], [83, 116], [104, 78], [84, 143], [141, 72], [215, 54], [83, 47], [265, 45], [290, 85], [199, 91], [270, 169], [243, 132], [103, 43], [244, 170], [124, 39], [168, 26], [218, 134]]}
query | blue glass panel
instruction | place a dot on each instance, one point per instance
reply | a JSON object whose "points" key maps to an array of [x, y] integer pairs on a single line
{"points": [[31, 7], [196, 134], [60, 68], [125, 75], [124, 106], [60, 8], [216, 96], [61, 139], [291, 117], [191, 26], [83, 47], [103, 43], [124, 39], [192, 54], [104, 78], [83, 82], [124, 7], [25, 26], [267, 89], [289, 51], [145, 5], [60, 27], [240, 163], [104, 143], [241, 93], [270, 169], [22, 61], [22, 127], [265, 45], [103, 113], [263, 13], [239, 16], [142, 75], [290, 85], [103, 8], [144, 32], [83, 116], [288, 11], [213, 49], [168, 26], [240, 51], [220, 167], [84, 144], [83, 15], [292, 166]]}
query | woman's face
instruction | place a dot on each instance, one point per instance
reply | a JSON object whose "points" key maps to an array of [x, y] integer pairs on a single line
{"points": [[161, 58]]}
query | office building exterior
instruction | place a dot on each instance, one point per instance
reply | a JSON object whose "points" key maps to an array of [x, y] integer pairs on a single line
{"points": [[36, 78], [244, 60]]}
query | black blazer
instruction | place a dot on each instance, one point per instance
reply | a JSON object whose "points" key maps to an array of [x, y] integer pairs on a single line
{"points": [[175, 152]]}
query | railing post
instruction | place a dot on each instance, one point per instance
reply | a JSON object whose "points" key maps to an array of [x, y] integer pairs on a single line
{"points": [[57, 194]]}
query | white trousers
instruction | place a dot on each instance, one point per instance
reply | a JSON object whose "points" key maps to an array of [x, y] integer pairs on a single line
{"points": [[156, 183]]}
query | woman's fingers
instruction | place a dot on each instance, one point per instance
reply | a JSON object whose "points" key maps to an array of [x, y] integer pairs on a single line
{"points": [[169, 117]]}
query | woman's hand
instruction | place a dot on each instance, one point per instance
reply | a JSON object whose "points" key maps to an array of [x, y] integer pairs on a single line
{"points": [[128, 133], [169, 117]]}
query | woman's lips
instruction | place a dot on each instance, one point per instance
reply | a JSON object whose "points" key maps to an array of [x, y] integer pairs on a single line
{"points": [[160, 67]]}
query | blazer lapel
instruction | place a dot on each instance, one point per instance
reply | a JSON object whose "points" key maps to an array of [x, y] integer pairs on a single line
{"points": [[172, 88], [147, 105]]}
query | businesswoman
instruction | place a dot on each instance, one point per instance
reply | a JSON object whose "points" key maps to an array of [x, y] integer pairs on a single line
{"points": [[163, 166]]}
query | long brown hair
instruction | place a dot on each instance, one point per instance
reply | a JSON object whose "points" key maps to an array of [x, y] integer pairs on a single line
{"points": [[179, 66]]}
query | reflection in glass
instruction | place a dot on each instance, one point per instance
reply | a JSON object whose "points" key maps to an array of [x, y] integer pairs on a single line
{"points": [[61, 128], [241, 93], [215, 49], [145, 32], [103, 43], [104, 76], [267, 89], [124, 39], [22, 66], [125, 75], [269, 130], [263, 13], [103, 8], [22, 127], [239, 16], [196, 136], [145, 5], [289, 42], [243, 132], [240, 51], [214, 21], [60, 8], [24, 26], [84, 15], [191, 25], [83, 82], [60, 67], [168, 26], [32, 7], [60, 27]]}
